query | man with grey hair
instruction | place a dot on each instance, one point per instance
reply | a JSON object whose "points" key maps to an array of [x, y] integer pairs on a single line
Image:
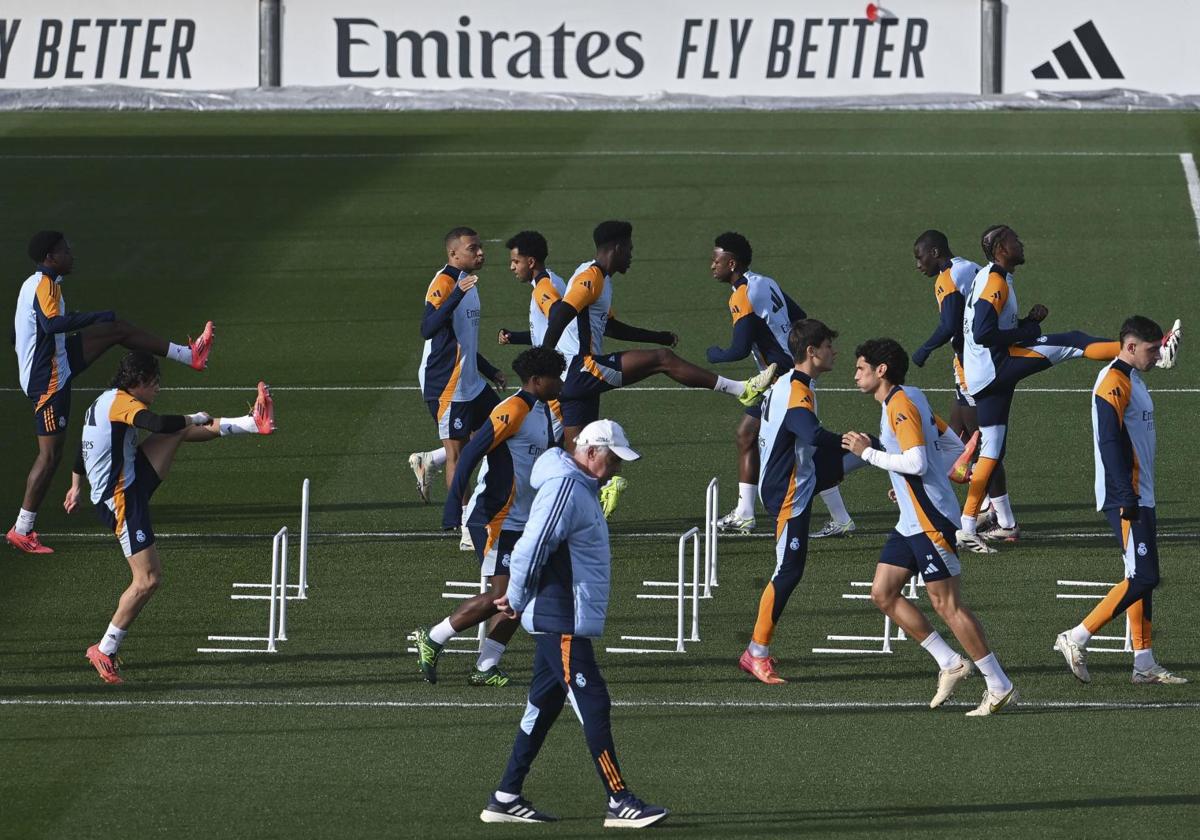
{"points": [[559, 582]]}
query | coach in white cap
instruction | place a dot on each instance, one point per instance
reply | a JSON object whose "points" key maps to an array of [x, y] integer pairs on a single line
{"points": [[559, 581]]}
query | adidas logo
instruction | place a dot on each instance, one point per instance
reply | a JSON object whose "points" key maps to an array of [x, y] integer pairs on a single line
{"points": [[1072, 64], [930, 570]]}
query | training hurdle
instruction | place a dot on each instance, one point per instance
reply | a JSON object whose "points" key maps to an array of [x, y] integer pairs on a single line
{"points": [[276, 605], [885, 640], [1126, 640], [679, 583], [475, 642], [301, 585], [711, 515]]}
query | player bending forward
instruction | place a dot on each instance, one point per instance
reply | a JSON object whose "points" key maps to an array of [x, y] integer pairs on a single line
{"points": [[918, 448], [124, 475]]}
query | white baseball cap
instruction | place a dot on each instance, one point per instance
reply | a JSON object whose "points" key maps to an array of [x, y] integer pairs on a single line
{"points": [[607, 433]]}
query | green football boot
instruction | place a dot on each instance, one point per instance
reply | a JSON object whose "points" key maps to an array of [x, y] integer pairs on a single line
{"points": [[492, 676], [428, 652]]}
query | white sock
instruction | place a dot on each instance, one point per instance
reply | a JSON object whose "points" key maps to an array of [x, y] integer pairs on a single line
{"points": [[1143, 660], [244, 425], [1004, 514], [759, 650], [729, 386], [113, 637], [181, 353], [746, 496], [1080, 635], [997, 681], [25, 521], [506, 798], [489, 656], [944, 654], [968, 524], [437, 458], [837, 508], [442, 633]]}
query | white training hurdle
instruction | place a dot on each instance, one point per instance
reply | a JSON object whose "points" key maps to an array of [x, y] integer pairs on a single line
{"points": [[1126, 640], [474, 643], [710, 547], [276, 606], [678, 639], [301, 585], [886, 639]]}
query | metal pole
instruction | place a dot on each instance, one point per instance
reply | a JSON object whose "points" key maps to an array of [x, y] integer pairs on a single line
{"points": [[695, 587], [283, 533], [679, 595], [991, 52], [268, 43], [273, 604], [302, 587]]}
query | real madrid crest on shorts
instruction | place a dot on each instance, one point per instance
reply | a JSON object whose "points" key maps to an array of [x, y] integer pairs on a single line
{"points": [[140, 536], [458, 422]]}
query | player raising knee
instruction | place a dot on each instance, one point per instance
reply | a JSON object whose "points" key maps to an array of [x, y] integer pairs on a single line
{"points": [[1125, 444], [521, 428], [123, 475], [53, 347], [578, 324], [916, 452]]}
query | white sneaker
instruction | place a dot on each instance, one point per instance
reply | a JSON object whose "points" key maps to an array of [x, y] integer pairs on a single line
{"points": [[993, 703], [731, 523], [1076, 656], [1157, 675], [985, 520], [1170, 347], [834, 529], [466, 543], [999, 532], [948, 680], [421, 463], [973, 543]]}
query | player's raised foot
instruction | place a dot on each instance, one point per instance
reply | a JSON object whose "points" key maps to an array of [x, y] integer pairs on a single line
{"points": [[731, 523], [762, 668], [754, 387], [973, 543], [520, 810], [1158, 675], [428, 652], [492, 676], [610, 494], [1075, 654], [948, 680], [1170, 347], [994, 704], [201, 347], [29, 543], [465, 543], [960, 473], [108, 667], [999, 532], [627, 811], [421, 463], [264, 410], [834, 529]]}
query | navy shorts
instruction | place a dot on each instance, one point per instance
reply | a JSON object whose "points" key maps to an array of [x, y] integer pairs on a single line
{"points": [[50, 417], [928, 554], [493, 553], [587, 378], [459, 420], [127, 513]]}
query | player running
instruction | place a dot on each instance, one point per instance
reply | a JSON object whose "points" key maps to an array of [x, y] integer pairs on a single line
{"points": [[762, 315], [999, 350], [123, 475], [578, 324], [917, 451], [521, 428], [53, 347], [1124, 444], [561, 575]]}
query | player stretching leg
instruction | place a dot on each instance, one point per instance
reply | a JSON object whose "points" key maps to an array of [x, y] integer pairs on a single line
{"points": [[50, 354], [1125, 443], [999, 350], [521, 428], [578, 324], [916, 456], [124, 475]]}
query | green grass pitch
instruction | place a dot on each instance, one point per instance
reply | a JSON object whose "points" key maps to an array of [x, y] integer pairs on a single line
{"points": [[309, 240]]}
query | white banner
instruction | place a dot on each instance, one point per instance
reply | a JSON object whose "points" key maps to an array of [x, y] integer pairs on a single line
{"points": [[188, 44], [1098, 44], [635, 47]]}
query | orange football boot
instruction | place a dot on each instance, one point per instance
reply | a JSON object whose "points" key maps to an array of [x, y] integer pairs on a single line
{"points": [[762, 668]]}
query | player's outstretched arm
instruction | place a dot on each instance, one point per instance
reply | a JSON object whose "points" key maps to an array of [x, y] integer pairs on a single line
{"points": [[626, 332], [515, 337], [952, 307], [477, 448], [76, 489], [740, 345], [561, 314]]}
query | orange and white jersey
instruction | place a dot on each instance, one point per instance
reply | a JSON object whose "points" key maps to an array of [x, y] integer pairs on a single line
{"points": [[1123, 438], [589, 291], [992, 304], [42, 363], [449, 370], [109, 445], [926, 501], [548, 288]]}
